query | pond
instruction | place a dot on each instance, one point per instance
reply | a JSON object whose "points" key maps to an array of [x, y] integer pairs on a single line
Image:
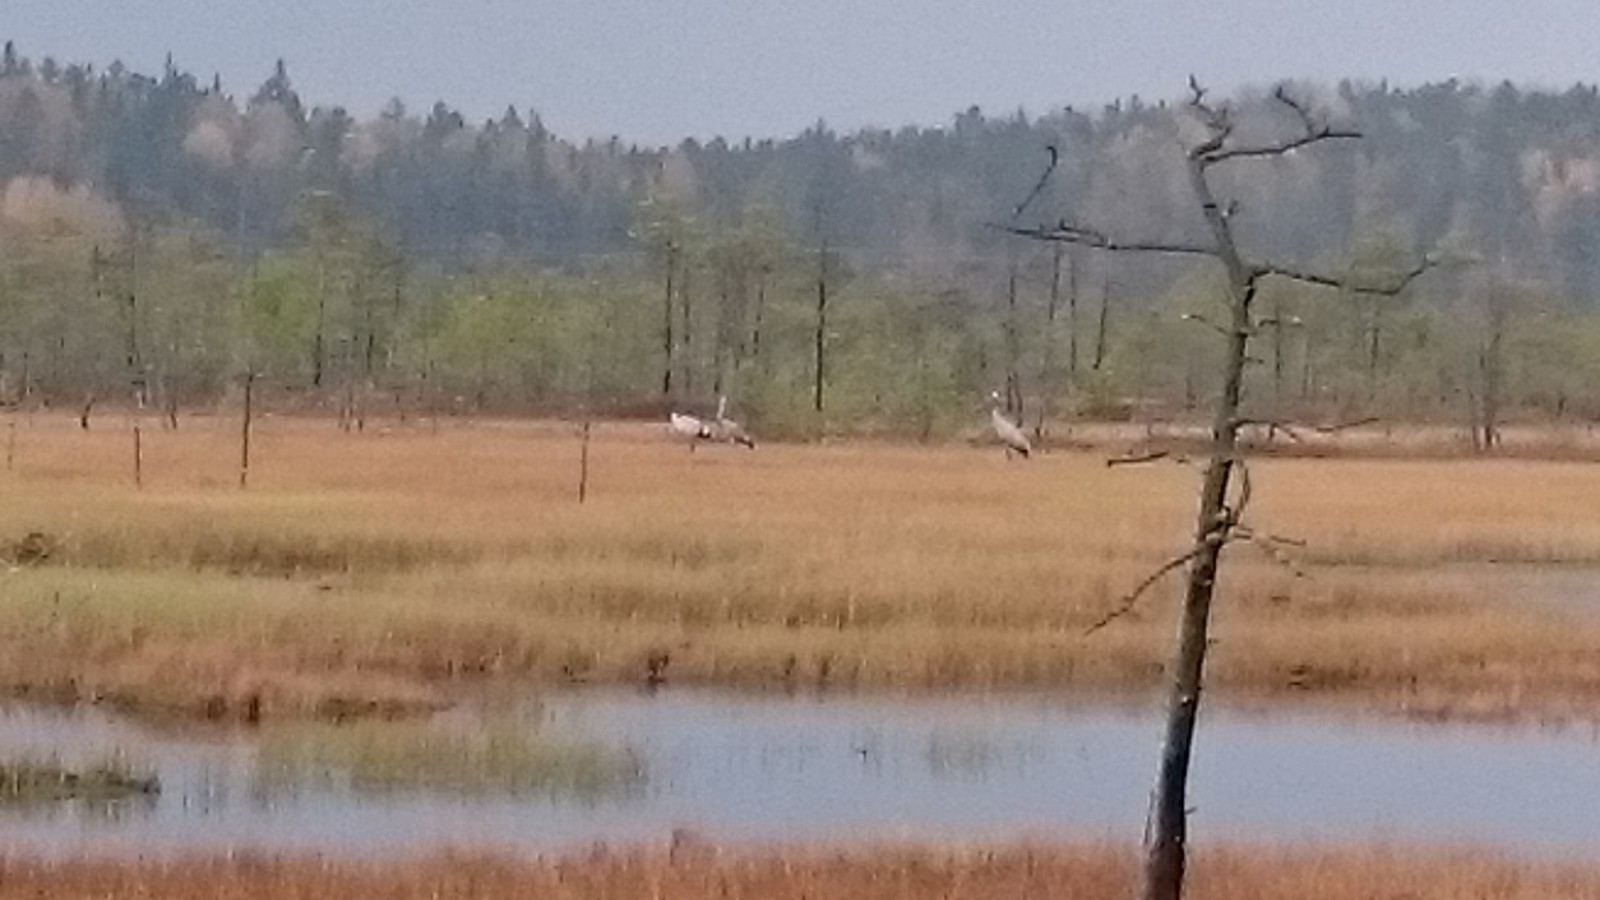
{"points": [[571, 768]]}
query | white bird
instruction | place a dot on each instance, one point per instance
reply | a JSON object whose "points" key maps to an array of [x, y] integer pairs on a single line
{"points": [[726, 429], [689, 428], [1007, 431]]}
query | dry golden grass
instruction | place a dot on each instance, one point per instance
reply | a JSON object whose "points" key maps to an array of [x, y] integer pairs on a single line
{"points": [[1019, 873], [374, 572]]}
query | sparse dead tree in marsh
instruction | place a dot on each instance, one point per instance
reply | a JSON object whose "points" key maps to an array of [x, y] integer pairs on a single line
{"points": [[1491, 367], [1222, 507], [1047, 371], [244, 428], [1014, 398], [1103, 324], [819, 369]]}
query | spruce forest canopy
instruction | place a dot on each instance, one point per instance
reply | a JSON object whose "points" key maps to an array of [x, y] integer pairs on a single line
{"points": [[168, 232]]}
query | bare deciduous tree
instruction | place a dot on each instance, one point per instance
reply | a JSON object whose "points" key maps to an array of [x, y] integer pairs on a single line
{"points": [[1220, 521]]}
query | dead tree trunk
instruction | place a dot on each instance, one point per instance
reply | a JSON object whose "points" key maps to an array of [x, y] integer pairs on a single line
{"points": [[583, 466], [318, 340], [820, 334], [1103, 326], [686, 304], [1047, 369], [667, 343], [1013, 349], [760, 313], [1490, 368], [244, 430], [1072, 321], [1219, 519]]}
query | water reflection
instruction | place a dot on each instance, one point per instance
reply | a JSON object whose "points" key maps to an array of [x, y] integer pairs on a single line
{"points": [[618, 766]]}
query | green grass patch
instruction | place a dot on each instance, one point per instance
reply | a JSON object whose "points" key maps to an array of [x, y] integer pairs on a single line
{"points": [[29, 780]]}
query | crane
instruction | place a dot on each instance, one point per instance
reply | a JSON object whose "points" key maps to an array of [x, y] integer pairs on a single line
{"points": [[726, 429], [1007, 431], [721, 429], [689, 428]]}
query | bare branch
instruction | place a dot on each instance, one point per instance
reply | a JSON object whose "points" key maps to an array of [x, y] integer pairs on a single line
{"points": [[1279, 149], [1088, 237], [1388, 290], [1130, 599], [1215, 119], [1271, 545], [1136, 459], [1294, 429], [1281, 94], [1044, 179], [1341, 426], [1313, 133], [1198, 318]]}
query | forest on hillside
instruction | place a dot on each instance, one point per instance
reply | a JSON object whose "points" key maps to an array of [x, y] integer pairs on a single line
{"points": [[161, 235]]}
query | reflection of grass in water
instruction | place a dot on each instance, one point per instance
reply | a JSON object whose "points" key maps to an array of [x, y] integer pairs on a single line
{"points": [[379, 757], [28, 780], [967, 755]]}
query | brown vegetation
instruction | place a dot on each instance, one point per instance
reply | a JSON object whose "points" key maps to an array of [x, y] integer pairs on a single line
{"points": [[700, 872], [372, 573]]}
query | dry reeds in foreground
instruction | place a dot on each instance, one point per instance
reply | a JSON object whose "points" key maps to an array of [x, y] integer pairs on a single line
{"points": [[370, 573], [1022, 873]]}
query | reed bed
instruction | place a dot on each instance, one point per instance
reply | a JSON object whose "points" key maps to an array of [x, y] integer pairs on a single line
{"points": [[376, 572]]}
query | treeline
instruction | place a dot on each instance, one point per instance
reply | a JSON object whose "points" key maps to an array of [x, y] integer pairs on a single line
{"points": [[159, 236]]}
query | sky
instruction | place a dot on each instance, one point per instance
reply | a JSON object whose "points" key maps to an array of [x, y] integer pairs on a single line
{"points": [[657, 71]]}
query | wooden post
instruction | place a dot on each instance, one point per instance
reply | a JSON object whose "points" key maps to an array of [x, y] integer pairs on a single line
{"points": [[11, 444], [138, 457], [583, 466], [244, 434]]}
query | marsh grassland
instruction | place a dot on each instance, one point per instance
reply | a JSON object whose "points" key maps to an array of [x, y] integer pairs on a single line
{"points": [[889, 873], [375, 573]]}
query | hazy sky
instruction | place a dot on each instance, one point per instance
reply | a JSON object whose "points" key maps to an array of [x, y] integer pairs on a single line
{"points": [[658, 70]]}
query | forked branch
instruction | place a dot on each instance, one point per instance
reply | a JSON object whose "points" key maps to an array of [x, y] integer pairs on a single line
{"points": [[1214, 118], [1038, 188], [1210, 153]]}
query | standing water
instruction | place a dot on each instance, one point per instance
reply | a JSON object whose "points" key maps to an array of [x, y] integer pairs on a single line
{"points": [[616, 766]]}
